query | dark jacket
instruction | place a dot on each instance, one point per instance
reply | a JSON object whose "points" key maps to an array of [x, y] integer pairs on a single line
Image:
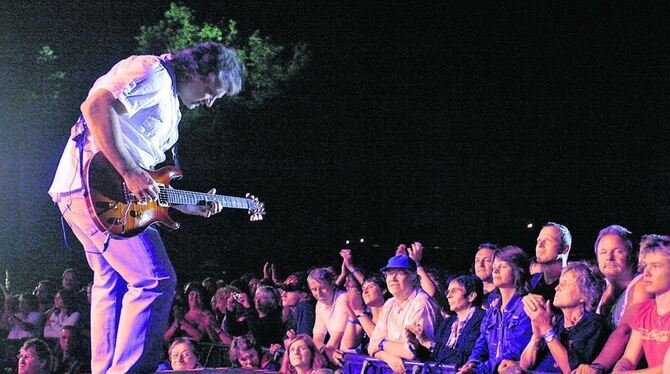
{"points": [[458, 355]]}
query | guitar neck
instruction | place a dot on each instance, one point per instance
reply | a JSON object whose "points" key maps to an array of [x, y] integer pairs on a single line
{"points": [[181, 197]]}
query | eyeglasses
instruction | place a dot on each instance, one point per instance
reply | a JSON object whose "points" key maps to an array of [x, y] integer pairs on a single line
{"points": [[26, 356]]}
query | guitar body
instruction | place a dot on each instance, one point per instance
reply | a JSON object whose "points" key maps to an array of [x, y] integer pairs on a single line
{"points": [[114, 209]]}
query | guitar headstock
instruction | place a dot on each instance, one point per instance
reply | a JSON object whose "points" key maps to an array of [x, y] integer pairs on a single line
{"points": [[256, 208]]}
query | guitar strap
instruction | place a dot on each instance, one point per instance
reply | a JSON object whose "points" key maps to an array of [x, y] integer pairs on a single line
{"points": [[175, 157], [80, 140]]}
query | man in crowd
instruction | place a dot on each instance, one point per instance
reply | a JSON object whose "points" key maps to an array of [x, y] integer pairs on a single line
{"points": [[484, 270], [551, 251], [409, 306], [651, 324]]}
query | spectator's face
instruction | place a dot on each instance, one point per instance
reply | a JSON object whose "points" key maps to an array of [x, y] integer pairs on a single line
{"points": [[24, 307], [253, 284], [299, 354], [484, 264], [249, 359], [503, 274], [567, 292], [264, 300], [221, 300], [58, 301], [289, 299], [29, 362], [372, 293], [657, 273], [194, 300], [548, 245], [457, 298], [42, 293], [321, 291], [612, 256], [399, 282], [182, 357], [194, 92], [69, 280], [67, 341]]}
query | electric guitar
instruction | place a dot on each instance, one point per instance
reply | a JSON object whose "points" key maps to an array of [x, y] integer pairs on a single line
{"points": [[115, 210]]}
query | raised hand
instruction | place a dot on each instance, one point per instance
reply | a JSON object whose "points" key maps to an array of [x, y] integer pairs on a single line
{"points": [[355, 300], [266, 270], [401, 250], [415, 252]]}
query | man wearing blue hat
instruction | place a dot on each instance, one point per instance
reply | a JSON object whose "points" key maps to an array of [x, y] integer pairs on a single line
{"points": [[410, 305]]}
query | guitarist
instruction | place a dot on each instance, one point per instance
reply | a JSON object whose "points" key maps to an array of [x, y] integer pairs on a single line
{"points": [[131, 116]]}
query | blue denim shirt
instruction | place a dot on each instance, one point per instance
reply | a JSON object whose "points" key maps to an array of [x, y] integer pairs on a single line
{"points": [[503, 335]]}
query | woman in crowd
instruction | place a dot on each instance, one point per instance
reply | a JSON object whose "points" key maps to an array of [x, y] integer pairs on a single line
{"points": [[24, 323], [246, 353], [64, 312], [331, 313], [194, 323], [366, 307], [456, 336], [301, 356], [35, 357], [182, 355], [579, 332], [505, 329]]}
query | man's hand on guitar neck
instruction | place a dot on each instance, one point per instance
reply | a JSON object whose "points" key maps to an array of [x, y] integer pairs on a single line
{"points": [[205, 210]]}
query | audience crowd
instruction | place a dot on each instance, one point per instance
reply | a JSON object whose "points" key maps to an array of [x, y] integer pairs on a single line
{"points": [[510, 314]]}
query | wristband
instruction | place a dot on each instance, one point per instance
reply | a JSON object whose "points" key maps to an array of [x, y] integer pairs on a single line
{"points": [[411, 348], [549, 336], [355, 270], [418, 266], [381, 344], [598, 367]]}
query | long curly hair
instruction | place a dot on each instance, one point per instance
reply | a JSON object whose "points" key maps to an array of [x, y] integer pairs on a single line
{"points": [[203, 59]]}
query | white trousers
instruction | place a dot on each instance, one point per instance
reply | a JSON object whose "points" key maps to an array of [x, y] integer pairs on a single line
{"points": [[132, 293]]}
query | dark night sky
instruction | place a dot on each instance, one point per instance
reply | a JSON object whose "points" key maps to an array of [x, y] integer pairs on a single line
{"points": [[450, 124]]}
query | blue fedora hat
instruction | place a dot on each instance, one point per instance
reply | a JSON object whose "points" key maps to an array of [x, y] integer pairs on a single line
{"points": [[400, 262]]}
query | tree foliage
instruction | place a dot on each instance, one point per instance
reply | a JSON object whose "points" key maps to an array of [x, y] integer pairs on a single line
{"points": [[48, 78], [270, 66]]}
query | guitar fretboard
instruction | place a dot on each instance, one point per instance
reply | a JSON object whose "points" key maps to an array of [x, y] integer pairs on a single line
{"points": [[173, 196]]}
